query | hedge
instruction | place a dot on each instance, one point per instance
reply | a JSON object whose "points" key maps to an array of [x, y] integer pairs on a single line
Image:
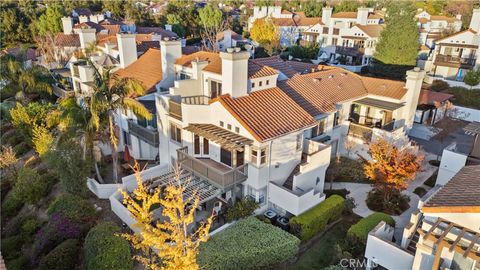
{"points": [[20, 263], [63, 257], [11, 247], [420, 191], [104, 249], [306, 225], [247, 244], [11, 205], [359, 231], [431, 181], [73, 207]]}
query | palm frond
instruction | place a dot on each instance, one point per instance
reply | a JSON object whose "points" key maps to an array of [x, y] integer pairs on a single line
{"points": [[137, 108]]}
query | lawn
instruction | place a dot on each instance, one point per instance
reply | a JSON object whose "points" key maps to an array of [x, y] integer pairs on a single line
{"points": [[323, 252], [465, 97]]}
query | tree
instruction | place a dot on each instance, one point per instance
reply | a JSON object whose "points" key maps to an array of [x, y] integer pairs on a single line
{"points": [[397, 48], [51, 20], [212, 22], [26, 118], [24, 79], [312, 8], [14, 27], [472, 77], [42, 140], [8, 161], [347, 6], [50, 53], [29, 186], [110, 95], [175, 20], [464, 8], [265, 33], [115, 7], [175, 247], [390, 168]]}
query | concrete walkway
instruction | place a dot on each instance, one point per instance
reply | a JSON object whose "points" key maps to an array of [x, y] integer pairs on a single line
{"points": [[360, 191]]}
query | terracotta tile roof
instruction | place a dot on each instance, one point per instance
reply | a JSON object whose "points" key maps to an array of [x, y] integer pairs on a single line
{"points": [[235, 36], [319, 92], [384, 87], [112, 28], [443, 18], [430, 97], [458, 33], [463, 190], [372, 30], [257, 71], [25, 53], [214, 61], [83, 11], [288, 68], [89, 25], [345, 15], [110, 21], [155, 30], [423, 20], [189, 49], [296, 21], [147, 69], [144, 46], [376, 15], [64, 40], [267, 114]]}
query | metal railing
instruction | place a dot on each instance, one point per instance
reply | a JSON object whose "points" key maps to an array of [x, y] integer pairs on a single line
{"points": [[222, 179], [148, 135], [349, 50], [470, 61], [175, 109]]}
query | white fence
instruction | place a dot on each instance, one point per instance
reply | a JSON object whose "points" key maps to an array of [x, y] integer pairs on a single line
{"points": [[467, 114], [102, 191]]}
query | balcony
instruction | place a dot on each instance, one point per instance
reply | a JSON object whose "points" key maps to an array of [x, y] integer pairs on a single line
{"points": [[294, 201], [454, 61], [175, 109], [196, 100], [146, 134], [350, 51], [216, 173], [360, 131]]}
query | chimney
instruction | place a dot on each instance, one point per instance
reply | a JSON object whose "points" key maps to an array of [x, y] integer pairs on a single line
{"points": [[156, 37], [168, 27], [362, 15], [458, 16], [414, 85], [67, 23], [82, 19], [475, 22], [86, 36], [100, 17], [127, 49], [326, 15], [170, 51], [94, 18], [227, 38], [235, 72]]}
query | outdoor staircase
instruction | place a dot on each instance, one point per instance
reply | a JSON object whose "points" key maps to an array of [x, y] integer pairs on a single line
{"points": [[412, 245]]}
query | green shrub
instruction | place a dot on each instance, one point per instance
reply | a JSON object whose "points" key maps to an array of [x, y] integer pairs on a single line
{"points": [[439, 85], [347, 170], [431, 180], [104, 249], [242, 208], [11, 205], [465, 97], [73, 207], [310, 52], [341, 192], [62, 257], [12, 246], [306, 225], [264, 219], [11, 138], [247, 244], [420, 191], [395, 205], [434, 162], [16, 225], [360, 230], [20, 263], [31, 226], [21, 149], [30, 187]]}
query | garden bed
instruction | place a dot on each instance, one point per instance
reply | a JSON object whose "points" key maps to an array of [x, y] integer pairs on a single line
{"points": [[347, 170]]}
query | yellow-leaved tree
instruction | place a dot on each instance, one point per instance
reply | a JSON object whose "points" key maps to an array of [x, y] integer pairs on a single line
{"points": [[265, 33], [169, 244]]}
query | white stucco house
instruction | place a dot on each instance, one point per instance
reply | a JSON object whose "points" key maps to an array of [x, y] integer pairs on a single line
{"points": [[433, 27]]}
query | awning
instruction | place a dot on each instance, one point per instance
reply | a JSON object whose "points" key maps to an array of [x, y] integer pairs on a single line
{"points": [[385, 105], [227, 139]]}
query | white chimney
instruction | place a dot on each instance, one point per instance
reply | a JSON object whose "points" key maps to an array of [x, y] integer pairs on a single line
{"points": [[170, 51], [67, 23], [227, 38], [475, 22], [235, 72], [326, 15], [156, 37], [413, 85], [83, 19], [168, 27], [362, 15], [100, 17], [86, 36], [94, 18], [458, 16], [127, 48]]}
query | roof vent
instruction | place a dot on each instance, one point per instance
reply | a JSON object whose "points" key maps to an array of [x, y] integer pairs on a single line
{"points": [[330, 76], [316, 80], [343, 74]]}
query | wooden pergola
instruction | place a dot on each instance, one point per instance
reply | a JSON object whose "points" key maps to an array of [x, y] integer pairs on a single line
{"points": [[442, 241], [227, 139]]}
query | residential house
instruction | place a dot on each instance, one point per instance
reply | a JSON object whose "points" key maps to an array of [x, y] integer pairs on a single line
{"points": [[432, 107], [433, 27], [24, 54], [443, 233], [230, 39], [455, 54]]}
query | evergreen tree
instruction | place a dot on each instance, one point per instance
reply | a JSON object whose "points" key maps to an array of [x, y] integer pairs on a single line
{"points": [[472, 77], [397, 48], [51, 20], [312, 8]]}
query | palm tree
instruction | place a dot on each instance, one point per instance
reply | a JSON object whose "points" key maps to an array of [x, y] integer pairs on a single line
{"points": [[111, 95], [22, 79]]}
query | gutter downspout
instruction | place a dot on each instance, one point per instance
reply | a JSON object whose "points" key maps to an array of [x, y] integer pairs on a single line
{"points": [[269, 168]]}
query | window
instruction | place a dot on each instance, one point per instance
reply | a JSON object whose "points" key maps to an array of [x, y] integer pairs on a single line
{"points": [[196, 144], [253, 84], [263, 156], [325, 30], [334, 41], [206, 149], [267, 82], [221, 123], [336, 31], [240, 158], [336, 118], [260, 83], [175, 133], [299, 141], [229, 127], [258, 156], [253, 156], [184, 76], [237, 129], [126, 138], [215, 89], [318, 129], [226, 157]]}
